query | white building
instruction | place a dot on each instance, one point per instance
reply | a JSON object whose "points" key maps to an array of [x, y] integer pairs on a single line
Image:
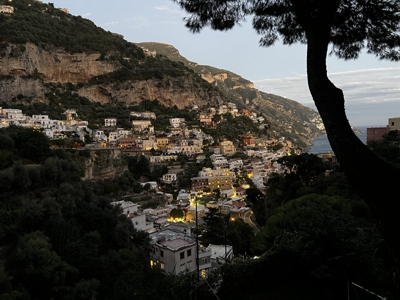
{"points": [[139, 222], [176, 122], [141, 125], [169, 178], [220, 254], [145, 114], [110, 122], [127, 206], [153, 185], [99, 136], [174, 253]]}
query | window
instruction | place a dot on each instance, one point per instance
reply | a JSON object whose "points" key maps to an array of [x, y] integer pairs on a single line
{"points": [[162, 266], [189, 253], [189, 265], [161, 253], [204, 273], [203, 261], [183, 268], [182, 255]]}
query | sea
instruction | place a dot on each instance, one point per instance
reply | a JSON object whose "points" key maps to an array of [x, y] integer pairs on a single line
{"points": [[321, 143]]}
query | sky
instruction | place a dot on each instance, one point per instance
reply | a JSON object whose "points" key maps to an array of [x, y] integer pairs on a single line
{"points": [[371, 86]]}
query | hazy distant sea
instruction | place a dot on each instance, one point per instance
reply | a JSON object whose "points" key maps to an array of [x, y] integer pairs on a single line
{"points": [[321, 143]]}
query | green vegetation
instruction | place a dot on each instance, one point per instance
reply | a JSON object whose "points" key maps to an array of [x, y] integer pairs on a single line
{"points": [[388, 147], [60, 237], [314, 238], [177, 213], [48, 27], [316, 233], [232, 127], [284, 116]]}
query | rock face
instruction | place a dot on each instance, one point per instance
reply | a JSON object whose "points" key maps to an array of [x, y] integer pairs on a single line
{"points": [[286, 117], [11, 88], [27, 69], [103, 163], [52, 66], [168, 91]]}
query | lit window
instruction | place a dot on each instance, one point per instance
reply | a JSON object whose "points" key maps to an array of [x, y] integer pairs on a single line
{"points": [[162, 266], [204, 273], [151, 263]]}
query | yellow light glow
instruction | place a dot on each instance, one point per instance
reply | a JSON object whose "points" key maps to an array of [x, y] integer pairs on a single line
{"points": [[176, 220]]}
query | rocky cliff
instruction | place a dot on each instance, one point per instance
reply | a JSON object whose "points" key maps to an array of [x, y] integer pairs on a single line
{"points": [[103, 163], [52, 66], [181, 92], [51, 61], [27, 71], [286, 117]]}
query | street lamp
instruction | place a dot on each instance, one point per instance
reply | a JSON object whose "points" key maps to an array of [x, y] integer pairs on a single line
{"points": [[197, 246], [226, 225]]}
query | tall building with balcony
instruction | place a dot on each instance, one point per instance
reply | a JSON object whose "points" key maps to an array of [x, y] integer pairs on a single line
{"points": [[175, 252]]}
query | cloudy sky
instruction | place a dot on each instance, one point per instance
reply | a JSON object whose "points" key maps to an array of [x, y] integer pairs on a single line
{"points": [[371, 86]]}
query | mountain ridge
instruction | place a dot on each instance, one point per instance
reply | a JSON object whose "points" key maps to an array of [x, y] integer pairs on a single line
{"points": [[50, 60], [285, 115]]}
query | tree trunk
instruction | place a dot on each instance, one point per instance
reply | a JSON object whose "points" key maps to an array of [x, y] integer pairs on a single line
{"points": [[375, 180]]}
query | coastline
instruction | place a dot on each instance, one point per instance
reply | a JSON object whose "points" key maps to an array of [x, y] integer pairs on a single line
{"points": [[321, 144]]}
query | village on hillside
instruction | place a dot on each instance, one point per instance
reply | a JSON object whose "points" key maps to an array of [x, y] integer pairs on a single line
{"points": [[221, 186]]}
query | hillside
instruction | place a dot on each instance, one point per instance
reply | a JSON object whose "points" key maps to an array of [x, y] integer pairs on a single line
{"points": [[286, 116], [51, 60]]}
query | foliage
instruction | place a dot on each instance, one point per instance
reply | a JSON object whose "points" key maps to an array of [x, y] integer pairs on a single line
{"points": [[25, 143], [305, 166], [348, 27], [176, 213], [292, 21], [148, 68], [305, 175], [46, 26], [138, 166], [215, 224], [321, 234], [257, 201], [388, 147], [60, 237], [232, 127], [219, 231]]}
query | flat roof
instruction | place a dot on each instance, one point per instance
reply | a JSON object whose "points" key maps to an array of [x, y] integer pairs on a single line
{"points": [[176, 243]]}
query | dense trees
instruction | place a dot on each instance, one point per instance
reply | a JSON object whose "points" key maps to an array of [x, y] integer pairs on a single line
{"points": [[388, 147], [348, 27], [61, 237], [315, 240], [27, 143], [47, 26]]}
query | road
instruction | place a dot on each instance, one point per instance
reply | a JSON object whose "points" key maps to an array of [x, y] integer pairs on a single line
{"points": [[247, 219]]}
